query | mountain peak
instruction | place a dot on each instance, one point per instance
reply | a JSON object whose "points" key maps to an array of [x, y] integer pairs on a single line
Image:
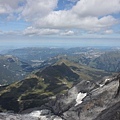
{"points": [[58, 70]]}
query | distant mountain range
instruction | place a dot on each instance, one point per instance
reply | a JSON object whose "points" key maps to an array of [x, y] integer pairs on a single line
{"points": [[110, 61], [28, 60], [12, 69], [100, 58]]}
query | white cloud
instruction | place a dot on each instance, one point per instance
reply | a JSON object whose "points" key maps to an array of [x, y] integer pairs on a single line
{"points": [[28, 9], [14, 4], [65, 19], [5, 9], [84, 15], [2, 9], [10, 6], [35, 9], [67, 33], [96, 7], [90, 15], [33, 31]]}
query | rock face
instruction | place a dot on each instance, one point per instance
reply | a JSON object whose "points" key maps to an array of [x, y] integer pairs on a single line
{"points": [[85, 101], [112, 113], [118, 91], [99, 101], [35, 115], [65, 102]]}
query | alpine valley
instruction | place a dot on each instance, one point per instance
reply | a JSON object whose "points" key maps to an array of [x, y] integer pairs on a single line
{"points": [[80, 83]]}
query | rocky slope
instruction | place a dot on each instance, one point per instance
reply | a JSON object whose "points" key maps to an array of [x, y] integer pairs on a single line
{"points": [[85, 101], [111, 113], [97, 100]]}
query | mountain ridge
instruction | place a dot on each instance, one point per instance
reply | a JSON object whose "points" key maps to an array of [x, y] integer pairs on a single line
{"points": [[44, 84], [97, 104]]}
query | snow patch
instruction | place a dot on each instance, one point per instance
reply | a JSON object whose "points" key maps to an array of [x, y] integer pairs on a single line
{"points": [[80, 96], [107, 80], [57, 118], [41, 114], [35, 114], [101, 85]]}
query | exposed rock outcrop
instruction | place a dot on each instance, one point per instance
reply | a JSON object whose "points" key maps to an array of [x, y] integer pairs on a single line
{"points": [[118, 90], [111, 113], [96, 102]]}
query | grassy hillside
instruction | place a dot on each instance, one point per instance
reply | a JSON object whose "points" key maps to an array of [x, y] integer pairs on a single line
{"points": [[44, 85], [85, 72], [38, 88]]}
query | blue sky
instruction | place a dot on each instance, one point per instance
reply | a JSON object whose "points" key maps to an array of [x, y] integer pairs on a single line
{"points": [[60, 22]]}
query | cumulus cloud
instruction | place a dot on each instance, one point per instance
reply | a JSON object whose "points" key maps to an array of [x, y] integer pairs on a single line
{"points": [[65, 19], [13, 4], [27, 9], [2, 9], [5, 9], [96, 7], [10, 6], [84, 15], [31, 31], [89, 15], [35, 9]]}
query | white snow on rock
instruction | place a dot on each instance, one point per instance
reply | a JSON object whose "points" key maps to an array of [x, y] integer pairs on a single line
{"points": [[80, 96], [40, 114], [57, 118], [101, 85], [35, 114], [106, 80]]}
